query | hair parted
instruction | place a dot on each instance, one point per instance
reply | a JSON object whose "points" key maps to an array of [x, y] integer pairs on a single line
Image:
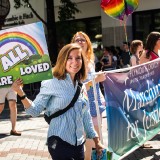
{"points": [[151, 41], [134, 46], [59, 71], [90, 55]]}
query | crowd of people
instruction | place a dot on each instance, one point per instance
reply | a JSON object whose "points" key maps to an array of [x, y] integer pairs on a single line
{"points": [[78, 126], [129, 54]]}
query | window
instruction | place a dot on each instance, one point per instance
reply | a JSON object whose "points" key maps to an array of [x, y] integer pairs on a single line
{"points": [[145, 22], [91, 26]]}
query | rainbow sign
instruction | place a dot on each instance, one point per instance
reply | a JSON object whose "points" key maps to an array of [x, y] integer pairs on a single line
{"points": [[21, 38], [24, 54]]}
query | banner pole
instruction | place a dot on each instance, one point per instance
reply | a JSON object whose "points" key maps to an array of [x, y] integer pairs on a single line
{"points": [[97, 108]]}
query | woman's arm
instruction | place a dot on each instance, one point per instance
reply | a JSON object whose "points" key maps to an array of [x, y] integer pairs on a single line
{"points": [[99, 78], [37, 106], [90, 131], [99, 146], [17, 87]]}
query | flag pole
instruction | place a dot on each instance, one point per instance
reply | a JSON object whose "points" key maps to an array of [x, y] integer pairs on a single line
{"points": [[97, 108]]}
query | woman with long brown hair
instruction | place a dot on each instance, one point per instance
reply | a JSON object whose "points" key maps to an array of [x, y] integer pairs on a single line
{"points": [[152, 45], [84, 41], [66, 131]]}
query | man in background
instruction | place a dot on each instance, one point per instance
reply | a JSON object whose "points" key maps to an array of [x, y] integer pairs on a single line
{"points": [[125, 56]]}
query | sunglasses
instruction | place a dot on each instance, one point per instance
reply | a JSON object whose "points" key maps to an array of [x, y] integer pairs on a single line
{"points": [[80, 40]]}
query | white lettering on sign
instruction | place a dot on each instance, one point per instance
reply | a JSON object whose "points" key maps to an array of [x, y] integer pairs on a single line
{"points": [[13, 57], [6, 80], [42, 67]]}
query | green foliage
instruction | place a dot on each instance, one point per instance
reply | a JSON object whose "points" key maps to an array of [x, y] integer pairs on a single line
{"points": [[67, 10], [19, 3]]}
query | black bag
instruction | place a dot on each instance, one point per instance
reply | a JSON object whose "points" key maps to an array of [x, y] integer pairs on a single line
{"points": [[47, 119], [58, 113]]}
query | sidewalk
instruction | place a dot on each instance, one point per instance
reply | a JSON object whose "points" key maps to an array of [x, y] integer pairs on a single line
{"points": [[141, 153], [31, 144]]}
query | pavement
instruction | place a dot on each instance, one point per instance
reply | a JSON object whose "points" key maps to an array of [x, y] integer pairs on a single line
{"points": [[141, 153], [31, 145]]}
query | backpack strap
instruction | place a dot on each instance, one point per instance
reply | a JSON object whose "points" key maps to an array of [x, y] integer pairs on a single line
{"points": [[60, 112]]}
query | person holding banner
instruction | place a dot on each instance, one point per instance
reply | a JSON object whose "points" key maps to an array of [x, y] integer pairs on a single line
{"points": [[66, 131], [11, 96], [84, 41], [137, 58], [153, 46]]}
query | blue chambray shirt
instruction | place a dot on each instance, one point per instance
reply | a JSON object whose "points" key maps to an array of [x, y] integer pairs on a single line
{"points": [[56, 95]]}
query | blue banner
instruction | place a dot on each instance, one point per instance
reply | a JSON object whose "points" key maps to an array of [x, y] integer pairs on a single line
{"points": [[133, 107]]}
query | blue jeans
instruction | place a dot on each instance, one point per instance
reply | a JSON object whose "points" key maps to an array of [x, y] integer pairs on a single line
{"points": [[61, 150]]}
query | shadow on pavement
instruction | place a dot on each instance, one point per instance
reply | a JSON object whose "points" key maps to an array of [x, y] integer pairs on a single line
{"points": [[157, 137], [156, 157], [35, 129], [21, 114], [144, 153], [4, 135]]}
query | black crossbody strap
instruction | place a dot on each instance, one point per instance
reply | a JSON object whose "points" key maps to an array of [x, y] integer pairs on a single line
{"points": [[58, 113]]}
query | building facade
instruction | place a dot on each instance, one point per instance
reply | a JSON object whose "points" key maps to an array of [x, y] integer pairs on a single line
{"points": [[113, 30], [93, 20]]}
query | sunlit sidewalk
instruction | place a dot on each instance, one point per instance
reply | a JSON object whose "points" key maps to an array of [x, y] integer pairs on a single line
{"points": [[141, 153], [31, 145]]}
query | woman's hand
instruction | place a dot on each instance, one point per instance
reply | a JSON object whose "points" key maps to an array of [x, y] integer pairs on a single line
{"points": [[100, 77], [99, 146], [17, 86]]}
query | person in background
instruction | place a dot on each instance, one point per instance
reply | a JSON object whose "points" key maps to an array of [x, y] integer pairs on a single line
{"points": [[98, 54], [119, 52], [125, 56], [11, 96], [137, 58], [152, 48], [136, 50], [152, 45], [99, 51], [114, 57], [107, 59], [66, 132], [84, 41], [143, 58]]}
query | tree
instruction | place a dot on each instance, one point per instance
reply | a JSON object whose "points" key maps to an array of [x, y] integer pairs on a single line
{"points": [[66, 11], [65, 28]]}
